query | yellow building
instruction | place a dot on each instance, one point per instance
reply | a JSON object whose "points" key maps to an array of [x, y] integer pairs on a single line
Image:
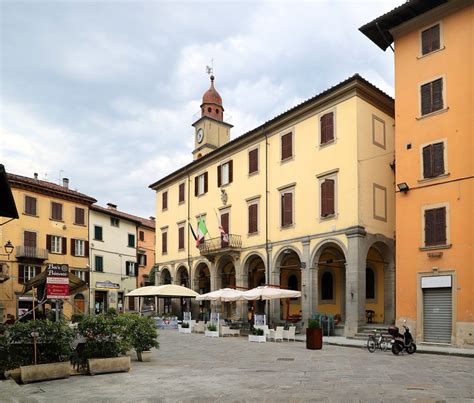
{"points": [[307, 202], [52, 228], [434, 90]]}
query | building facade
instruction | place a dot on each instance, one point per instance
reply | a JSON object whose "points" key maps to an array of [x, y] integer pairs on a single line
{"points": [[53, 228], [305, 201], [434, 87], [146, 252]]}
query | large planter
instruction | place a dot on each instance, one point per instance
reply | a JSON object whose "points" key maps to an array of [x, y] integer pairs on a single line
{"points": [[257, 339], [314, 339], [211, 333], [15, 374], [184, 330], [108, 365], [45, 372], [144, 356]]}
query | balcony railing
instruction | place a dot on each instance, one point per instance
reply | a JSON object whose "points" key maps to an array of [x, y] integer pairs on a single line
{"points": [[217, 246], [31, 252]]}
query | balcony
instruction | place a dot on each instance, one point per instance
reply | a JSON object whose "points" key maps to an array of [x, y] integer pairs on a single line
{"points": [[30, 252], [213, 247]]}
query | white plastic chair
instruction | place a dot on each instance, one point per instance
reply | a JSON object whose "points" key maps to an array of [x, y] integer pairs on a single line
{"points": [[290, 333], [198, 327], [266, 331], [277, 334]]}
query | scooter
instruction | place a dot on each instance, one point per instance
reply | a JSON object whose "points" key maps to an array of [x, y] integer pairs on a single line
{"points": [[402, 342]]}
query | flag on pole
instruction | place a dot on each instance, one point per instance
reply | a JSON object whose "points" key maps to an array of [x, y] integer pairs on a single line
{"points": [[192, 231], [201, 231], [224, 235]]}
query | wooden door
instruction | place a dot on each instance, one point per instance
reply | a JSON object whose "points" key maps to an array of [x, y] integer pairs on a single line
{"points": [[225, 226]]}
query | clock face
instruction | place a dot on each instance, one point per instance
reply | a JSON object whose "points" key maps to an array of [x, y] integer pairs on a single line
{"points": [[200, 135]]}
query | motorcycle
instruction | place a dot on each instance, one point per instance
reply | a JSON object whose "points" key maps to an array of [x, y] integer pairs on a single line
{"points": [[402, 342]]}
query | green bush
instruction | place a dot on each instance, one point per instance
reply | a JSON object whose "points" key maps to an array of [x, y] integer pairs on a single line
{"points": [[185, 325], [211, 327], [143, 334], [112, 312], [257, 332], [77, 317], [313, 324]]}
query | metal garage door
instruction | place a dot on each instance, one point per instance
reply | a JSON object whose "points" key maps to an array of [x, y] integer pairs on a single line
{"points": [[437, 315]]}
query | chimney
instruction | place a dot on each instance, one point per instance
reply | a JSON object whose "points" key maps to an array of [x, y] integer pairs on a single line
{"points": [[66, 183], [35, 175], [111, 206], [152, 218]]}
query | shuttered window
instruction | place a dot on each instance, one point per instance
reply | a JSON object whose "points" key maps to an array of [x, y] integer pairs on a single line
{"points": [[30, 205], [286, 209], [79, 248], [430, 39], [56, 244], [433, 160], [130, 269], [79, 216], [164, 242], [141, 235], [432, 96], [164, 200], [56, 211], [99, 263], [435, 226], [29, 239], [327, 128], [181, 238], [97, 233], [200, 184], [27, 272], [253, 161], [253, 218], [225, 173], [131, 240], [327, 198], [181, 193], [286, 146]]}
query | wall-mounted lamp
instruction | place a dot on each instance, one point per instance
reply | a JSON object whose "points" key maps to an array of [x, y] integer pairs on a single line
{"points": [[8, 248], [403, 187]]}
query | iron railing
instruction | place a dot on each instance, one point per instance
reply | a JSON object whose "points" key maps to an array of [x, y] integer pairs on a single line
{"points": [[214, 245], [31, 252]]}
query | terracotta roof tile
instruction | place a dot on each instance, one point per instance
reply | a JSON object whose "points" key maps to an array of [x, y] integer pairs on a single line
{"points": [[120, 214]]}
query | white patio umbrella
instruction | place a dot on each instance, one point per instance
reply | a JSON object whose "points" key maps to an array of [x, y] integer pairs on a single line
{"points": [[166, 290], [223, 295], [266, 293]]}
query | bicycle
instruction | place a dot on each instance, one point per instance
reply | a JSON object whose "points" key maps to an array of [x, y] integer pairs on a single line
{"points": [[377, 340]]}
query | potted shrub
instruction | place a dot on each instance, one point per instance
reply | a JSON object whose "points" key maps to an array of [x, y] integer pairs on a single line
{"points": [[185, 328], [144, 337], [314, 335], [211, 330], [258, 336]]}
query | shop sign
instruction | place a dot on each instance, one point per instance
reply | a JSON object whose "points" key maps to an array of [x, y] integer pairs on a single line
{"points": [[57, 281], [107, 284]]}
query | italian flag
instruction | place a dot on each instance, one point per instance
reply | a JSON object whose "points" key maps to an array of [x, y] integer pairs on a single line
{"points": [[201, 231]]}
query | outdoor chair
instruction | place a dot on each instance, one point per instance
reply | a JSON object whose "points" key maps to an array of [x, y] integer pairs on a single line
{"points": [[266, 331], [277, 334], [199, 327], [227, 331], [290, 333]]}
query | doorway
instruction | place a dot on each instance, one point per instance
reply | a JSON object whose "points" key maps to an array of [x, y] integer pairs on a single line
{"points": [[100, 302]]}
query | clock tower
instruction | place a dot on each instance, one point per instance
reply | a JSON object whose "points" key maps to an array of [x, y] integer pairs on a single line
{"points": [[211, 131]]}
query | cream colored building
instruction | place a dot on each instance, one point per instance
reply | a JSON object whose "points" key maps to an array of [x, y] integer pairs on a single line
{"points": [[306, 198]]}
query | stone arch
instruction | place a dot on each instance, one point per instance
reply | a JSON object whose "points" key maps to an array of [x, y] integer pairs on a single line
{"points": [[165, 276], [319, 248], [255, 270], [182, 276], [279, 254]]}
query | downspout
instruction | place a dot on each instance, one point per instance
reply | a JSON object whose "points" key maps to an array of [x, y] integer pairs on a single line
{"points": [[266, 214], [188, 202]]}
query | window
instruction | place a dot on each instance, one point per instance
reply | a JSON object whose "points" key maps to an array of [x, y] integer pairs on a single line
{"points": [[293, 283], [432, 96], [225, 174], [99, 263], [164, 200], [327, 289], [286, 146], [141, 235], [430, 39], [98, 233], [114, 222], [27, 272], [130, 269], [433, 160], [56, 244], [164, 242], [435, 226], [181, 237], [253, 161], [286, 208], [30, 205], [79, 216], [56, 211], [327, 187], [131, 240], [29, 239], [181, 193], [327, 128], [82, 274], [200, 184], [78, 247], [369, 283], [142, 260], [253, 218]]}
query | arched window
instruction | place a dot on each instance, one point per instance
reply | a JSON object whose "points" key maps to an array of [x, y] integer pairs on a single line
{"points": [[327, 291], [293, 283], [369, 283]]}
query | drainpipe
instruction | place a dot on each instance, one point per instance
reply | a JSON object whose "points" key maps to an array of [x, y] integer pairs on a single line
{"points": [[188, 202], [266, 215]]}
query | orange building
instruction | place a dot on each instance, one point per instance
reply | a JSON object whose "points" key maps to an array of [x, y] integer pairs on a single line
{"points": [[434, 104], [145, 251]]}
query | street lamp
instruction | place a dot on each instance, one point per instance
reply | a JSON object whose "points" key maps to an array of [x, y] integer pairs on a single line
{"points": [[8, 248]]}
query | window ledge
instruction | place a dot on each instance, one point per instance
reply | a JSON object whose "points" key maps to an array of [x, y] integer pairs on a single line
{"points": [[164, 209], [54, 219], [287, 159], [328, 217], [251, 234], [181, 250], [287, 226], [31, 215], [100, 240], [430, 53], [326, 144], [434, 178], [224, 185], [202, 194], [80, 225], [254, 173], [181, 202], [435, 247], [439, 111]]}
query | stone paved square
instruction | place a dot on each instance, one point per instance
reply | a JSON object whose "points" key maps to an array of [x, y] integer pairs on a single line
{"points": [[192, 368]]}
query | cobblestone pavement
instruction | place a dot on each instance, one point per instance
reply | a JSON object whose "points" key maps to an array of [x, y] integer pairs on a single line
{"points": [[195, 368]]}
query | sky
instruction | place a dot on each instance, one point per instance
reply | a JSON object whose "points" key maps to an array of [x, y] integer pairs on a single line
{"points": [[105, 92]]}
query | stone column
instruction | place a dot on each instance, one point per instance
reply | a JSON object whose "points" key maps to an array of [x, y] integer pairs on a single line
{"points": [[314, 290], [305, 281], [389, 293], [355, 280], [241, 280], [274, 278]]}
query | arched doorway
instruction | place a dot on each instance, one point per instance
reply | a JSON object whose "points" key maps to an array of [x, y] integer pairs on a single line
{"points": [[202, 284], [255, 268], [79, 304], [289, 265], [166, 279], [183, 280], [226, 279]]}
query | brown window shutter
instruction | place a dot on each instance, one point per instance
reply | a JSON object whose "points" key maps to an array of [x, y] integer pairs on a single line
{"points": [[205, 182], [324, 209], [127, 268], [438, 159], [329, 196], [164, 246], [196, 185], [64, 246], [425, 99], [425, 42], [21, 274], [253, 218], [164, 200], [181, 193], [219, 176], [283, 209], [231, 171], [287, 213], [86, 248], [327, 127], [253, 161], [437, 92], [145, 260], [435, 38], [427, 170], [286, 146], [429, 227], [48, 242], [181, 238], [440, 225], [73, 247]]}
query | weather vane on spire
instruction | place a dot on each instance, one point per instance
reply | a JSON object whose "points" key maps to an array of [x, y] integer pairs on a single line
{"points": [[210, 69]]}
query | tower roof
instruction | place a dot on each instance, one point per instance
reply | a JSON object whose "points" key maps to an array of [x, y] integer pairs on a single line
{"points": [[211, 96]]}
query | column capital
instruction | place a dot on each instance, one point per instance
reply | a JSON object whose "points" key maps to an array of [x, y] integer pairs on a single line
{"points": [[356, 231]]}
